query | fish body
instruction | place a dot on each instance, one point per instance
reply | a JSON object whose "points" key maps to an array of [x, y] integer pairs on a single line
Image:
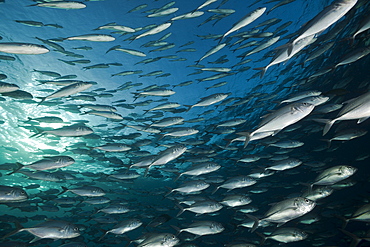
{"points": [[202, 228], [357, 108], [325, 18], [164, 12], [236, 182], [90, 191], [22, 48], [124, 226], [169, 154], [286, 210], [114, 147], [68, 90], [284, 164], [155, 30], [287, 235], [106, 114], [53, 162], [282, 118], [12, 194], [159, 240], [202, 207], [236, 200], [334, 174], [68, 131], [247, 19], [8, 87], [61, 5], [93, 37]]}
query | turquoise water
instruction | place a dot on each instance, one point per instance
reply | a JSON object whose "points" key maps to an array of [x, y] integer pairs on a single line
{"points": [[175, 53]]}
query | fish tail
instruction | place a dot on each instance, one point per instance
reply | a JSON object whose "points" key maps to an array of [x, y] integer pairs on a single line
{"points": [[215, 190], [344, 219], [356, 240], [263, 71], [247, 137], [39, 133], [105, 233], [263, 238], [328, 123], [189, 107], [181, 210], [327, 141], [178, 230], [19, 229], [169, 192], [64, 189], [42, 100], [177, 178], [290, 48], [20, 166], [256, 222]]}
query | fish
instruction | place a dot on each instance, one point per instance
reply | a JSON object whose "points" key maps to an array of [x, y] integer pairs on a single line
{"points": [[285, 211], [236, 182], [159, 239], [212, 51], [193, 14], [68, 90], [286, 235], [356, 108], [93, 37], [210, 100], [202, 228], [334, 175], [246, 20], [54, 229], [61, 5], [67, 131], [48, 163], [123, 227], [23, 48], [236, 200], [8, 87], [201, 207], [157, 29], [201, 169], [323, 20], [164, 12], [281, 118], [90, 191], [12, 194]]}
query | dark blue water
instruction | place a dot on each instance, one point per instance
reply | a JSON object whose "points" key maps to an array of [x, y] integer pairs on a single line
{"points": [[251, 97]]}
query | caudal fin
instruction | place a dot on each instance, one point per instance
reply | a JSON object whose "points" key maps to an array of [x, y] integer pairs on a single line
{"points": [[20, 166], [247, 137], [263, 70], [256, 221], [328, 123]]}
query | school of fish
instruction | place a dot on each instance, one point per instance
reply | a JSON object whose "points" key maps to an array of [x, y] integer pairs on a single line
{"points": [[203, 143]]}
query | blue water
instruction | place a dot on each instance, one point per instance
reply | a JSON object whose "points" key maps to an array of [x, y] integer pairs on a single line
{"points": [[144, 196]]}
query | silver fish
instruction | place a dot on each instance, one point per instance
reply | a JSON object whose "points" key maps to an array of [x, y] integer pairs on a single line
{"points": [[324, 19], [357, 108], [22, 48], [282, 118], [68, 90], [12, 194], [285, 211], [334, 174], [61, 5], [249, 18], [54, 229]]}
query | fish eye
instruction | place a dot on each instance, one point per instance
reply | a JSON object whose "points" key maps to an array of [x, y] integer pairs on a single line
{"points": [[306, 200]]}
